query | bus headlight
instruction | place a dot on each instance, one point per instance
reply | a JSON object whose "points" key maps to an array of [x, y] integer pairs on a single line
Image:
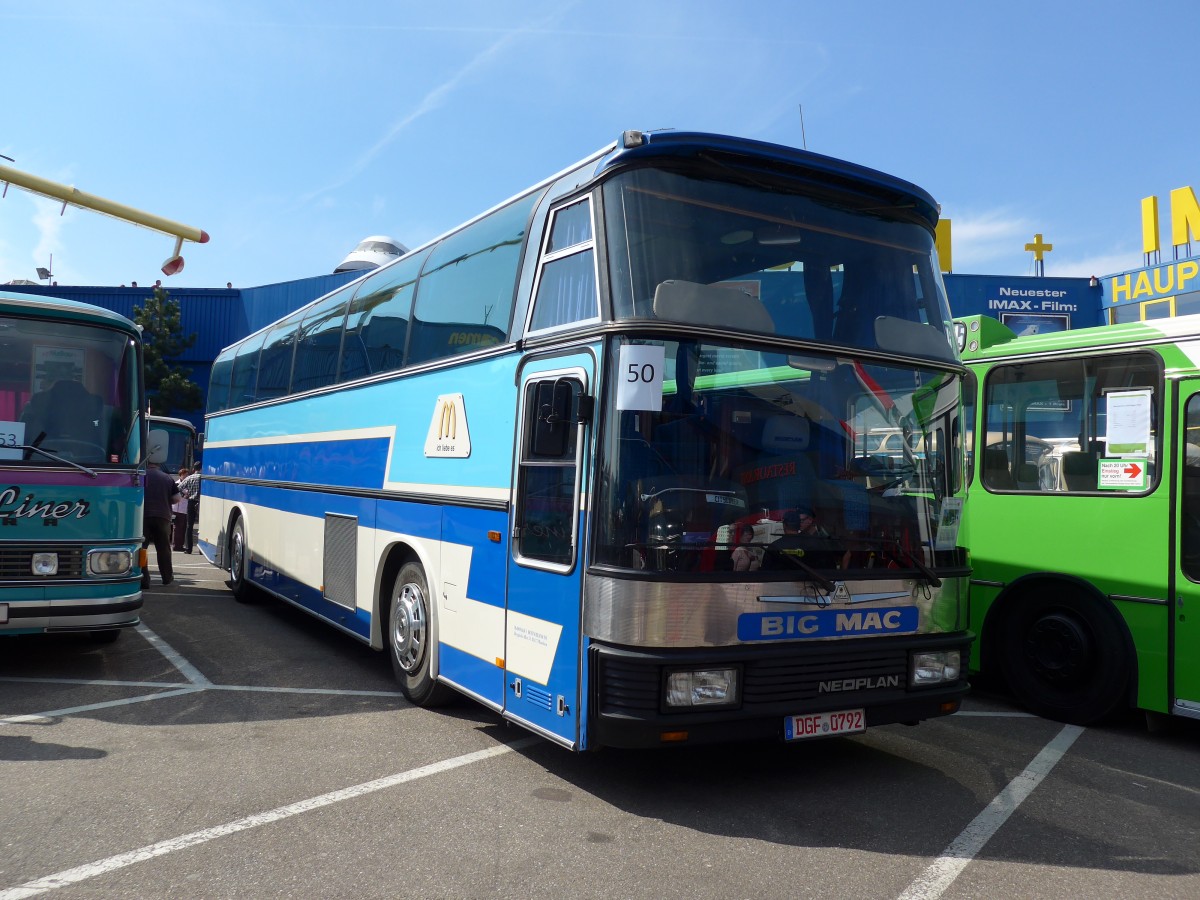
{"points": [[934, 667], [44, 564], [109, 562], [702, 687]]}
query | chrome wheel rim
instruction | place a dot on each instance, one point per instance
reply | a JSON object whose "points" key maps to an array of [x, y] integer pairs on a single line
{"points": [[237, 556], [409, 626]]}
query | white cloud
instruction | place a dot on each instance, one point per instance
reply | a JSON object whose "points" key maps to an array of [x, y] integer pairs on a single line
{"points": [[1100, 264], [48, 223], [435, 98], [979, 240]]}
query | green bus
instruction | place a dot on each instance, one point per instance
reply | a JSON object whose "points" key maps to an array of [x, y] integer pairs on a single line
{"points": [[1084, 516]]}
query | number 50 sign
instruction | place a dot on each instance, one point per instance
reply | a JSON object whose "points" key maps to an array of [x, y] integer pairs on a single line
{"points": [[640, 377]]}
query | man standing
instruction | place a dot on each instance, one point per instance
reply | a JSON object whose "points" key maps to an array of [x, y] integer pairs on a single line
{"points": [[190, 488], [161, 491]]}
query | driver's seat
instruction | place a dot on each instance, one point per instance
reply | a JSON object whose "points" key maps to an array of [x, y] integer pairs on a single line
{"points": [[68, 411]]}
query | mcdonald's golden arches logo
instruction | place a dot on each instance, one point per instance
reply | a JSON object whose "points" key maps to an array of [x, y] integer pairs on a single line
{"points": [[448, 434]]}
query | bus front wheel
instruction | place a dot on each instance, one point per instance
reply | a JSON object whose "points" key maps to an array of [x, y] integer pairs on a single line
{"points": [[1063, 655], [239, 558], [409, 633]]}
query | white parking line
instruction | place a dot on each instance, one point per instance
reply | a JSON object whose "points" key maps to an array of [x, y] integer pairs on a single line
{"points": [[947, 867], [108, 682], [90, 682], [69, 877], [994, 714], [43, 718], [190, 672]]}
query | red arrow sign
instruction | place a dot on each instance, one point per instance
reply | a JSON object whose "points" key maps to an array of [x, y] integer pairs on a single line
{"points": [[1132, 470]]}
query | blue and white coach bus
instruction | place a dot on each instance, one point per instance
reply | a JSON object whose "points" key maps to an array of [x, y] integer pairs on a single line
{"points": [[598, 458]]}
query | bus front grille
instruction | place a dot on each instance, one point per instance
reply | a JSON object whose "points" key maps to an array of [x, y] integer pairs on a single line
{"points": [[630, 682], [16, 562]]}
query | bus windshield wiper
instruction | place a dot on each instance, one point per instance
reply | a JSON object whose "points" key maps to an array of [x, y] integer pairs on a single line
{"points": [[929, 574], [34, 448], [813, 575]]}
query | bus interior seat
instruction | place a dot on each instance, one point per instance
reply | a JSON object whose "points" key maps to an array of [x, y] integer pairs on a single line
{"points": [[1027, 477], [784, 441], [1079, 470], [68, 411], [711, 304], [996, 473]]}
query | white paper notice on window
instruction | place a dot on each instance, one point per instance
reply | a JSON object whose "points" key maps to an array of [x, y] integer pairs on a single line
{"points": [[948, 522], [640, 377], [12, 436], [1128, 423]]}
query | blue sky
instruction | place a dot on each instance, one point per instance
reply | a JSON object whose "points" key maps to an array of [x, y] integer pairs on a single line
{"points": [[290, 131]]}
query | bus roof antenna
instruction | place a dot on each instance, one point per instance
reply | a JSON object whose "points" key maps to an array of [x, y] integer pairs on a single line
{"points": [[803, 137]]}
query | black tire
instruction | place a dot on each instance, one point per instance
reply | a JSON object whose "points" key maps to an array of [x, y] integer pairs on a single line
{"points": [[107, 636], [239, 562], [1064, 655], [409, 637]]}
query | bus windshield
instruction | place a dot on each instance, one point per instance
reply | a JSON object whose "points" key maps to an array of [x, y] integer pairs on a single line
{"points": [[689, 248], [769, 462], [68, 392]]}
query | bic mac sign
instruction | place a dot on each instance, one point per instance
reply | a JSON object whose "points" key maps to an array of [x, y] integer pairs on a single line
{"points": [[448, 433]]}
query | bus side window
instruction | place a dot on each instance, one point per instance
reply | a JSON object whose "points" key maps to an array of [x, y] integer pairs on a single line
{"points": [[244, 380], [546, 501], [377, 323], [1189, 504], [566, 290], [319, 341], [465, 296]]}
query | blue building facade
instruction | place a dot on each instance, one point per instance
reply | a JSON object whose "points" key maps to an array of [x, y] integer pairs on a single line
{"points": [[1028, 305], [217, 316]]}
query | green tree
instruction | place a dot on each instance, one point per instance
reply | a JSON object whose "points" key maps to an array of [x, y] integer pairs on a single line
{"points": [[169, 386]]}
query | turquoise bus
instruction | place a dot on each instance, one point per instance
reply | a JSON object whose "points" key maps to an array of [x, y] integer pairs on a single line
{"points": [[1084, 515], [71, 439], [600, 457]]}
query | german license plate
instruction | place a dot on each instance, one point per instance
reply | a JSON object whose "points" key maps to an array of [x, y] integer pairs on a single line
{"points": [[826, 724], [3, 613]]}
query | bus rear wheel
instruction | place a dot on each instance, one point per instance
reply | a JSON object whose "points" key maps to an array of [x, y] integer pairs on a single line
{"points": [[409, 633], [239, 558], [1063, 655]]}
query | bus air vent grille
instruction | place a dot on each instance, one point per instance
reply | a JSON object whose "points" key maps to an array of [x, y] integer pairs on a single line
{"points": [[16, 562], [341, 560], [632, 684], [536, 695]]}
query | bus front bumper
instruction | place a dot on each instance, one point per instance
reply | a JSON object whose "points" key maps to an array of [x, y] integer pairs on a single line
{"points": [[61, 609], [628, 688]]}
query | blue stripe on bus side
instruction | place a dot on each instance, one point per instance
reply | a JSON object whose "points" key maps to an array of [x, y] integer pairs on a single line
{"points": [[476, 675], [355, 620], [346, 463], [489, 559], [465, 526], [406, 404]]}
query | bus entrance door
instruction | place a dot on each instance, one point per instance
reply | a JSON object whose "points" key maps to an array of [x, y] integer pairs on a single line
{"points": [[543, 615], [1185, 608]]}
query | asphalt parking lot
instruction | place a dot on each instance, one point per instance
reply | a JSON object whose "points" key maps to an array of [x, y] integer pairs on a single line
{"points": [[229, 750]]}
